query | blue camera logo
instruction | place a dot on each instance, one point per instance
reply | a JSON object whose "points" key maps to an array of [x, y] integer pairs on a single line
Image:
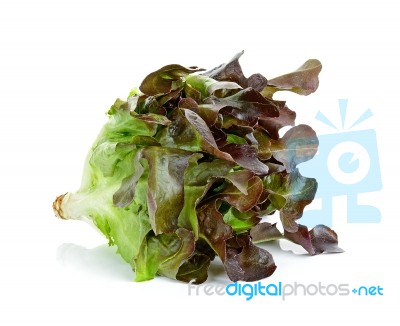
{"points": [[347, 163]]}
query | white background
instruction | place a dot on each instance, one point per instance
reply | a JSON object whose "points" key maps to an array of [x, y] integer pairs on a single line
{"points": [[63, 63]]}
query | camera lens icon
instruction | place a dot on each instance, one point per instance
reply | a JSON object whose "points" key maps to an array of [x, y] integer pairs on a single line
{"points": [[348, 162]]}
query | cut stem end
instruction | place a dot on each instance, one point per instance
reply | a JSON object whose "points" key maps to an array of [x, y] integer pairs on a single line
{"points": [[57, 206]]}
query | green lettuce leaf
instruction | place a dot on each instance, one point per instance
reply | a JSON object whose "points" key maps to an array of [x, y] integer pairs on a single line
{"points": [[241, 221], [290, 193], [163, 254]]}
